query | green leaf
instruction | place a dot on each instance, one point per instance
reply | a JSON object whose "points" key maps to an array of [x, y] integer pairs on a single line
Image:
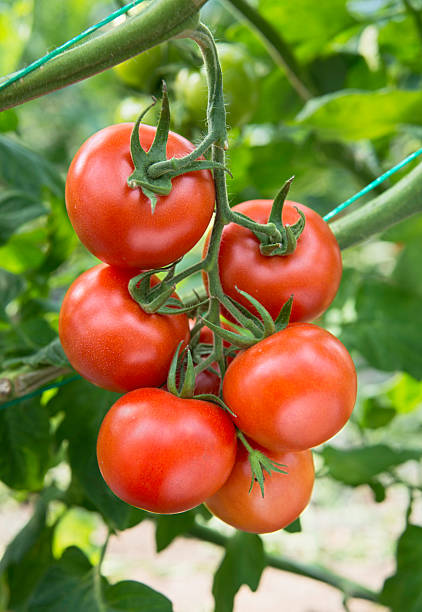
{"points": [[133, 596], [61, 238], [8, 121], [82, 403], [406, 394], [407, 271], [27, 557], [243, 563], [309, 27], [169, 527], [402, 591], [17, 208], [375, 414], [25, 170], [356, 115], [387, 330], [52, 354], [360, 465], [10, 287], [294, 527], [70, 585], [25, 452]]}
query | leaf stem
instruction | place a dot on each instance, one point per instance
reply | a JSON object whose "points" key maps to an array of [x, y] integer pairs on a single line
{"points": [[349, 587]]}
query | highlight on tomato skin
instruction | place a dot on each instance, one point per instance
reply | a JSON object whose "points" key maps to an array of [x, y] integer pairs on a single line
{"points": [[109, 339], [116, 223], [285, 495], [293, 390], [312, 273], [163, 453]]}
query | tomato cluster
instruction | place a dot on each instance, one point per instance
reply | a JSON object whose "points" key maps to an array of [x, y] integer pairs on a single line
{"points": [[287, 393]]}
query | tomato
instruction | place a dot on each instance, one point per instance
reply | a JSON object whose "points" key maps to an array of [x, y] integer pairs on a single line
{"points": [[109, 339], [163, 453], [142, 71], [239, 82], [312, 273], [285, 495], [115, 222], [293, 390]]}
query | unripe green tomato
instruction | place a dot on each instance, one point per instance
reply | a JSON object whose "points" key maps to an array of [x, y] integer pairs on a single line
{"points": [[239, 83], [142, 71], [131, 107]]}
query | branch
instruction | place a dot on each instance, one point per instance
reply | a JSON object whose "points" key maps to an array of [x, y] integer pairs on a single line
{"points": [[401, 201], [158, 22], [349, 587], [20, 383]]}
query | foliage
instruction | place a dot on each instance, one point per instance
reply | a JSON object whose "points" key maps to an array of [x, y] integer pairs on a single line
{"points": [[362, 117]]}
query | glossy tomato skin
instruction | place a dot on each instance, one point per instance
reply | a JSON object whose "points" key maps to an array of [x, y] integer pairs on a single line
{"points": [[115, 222], [285, 495], [312, 273], [294, 390], [109, 339], [165, 454]]}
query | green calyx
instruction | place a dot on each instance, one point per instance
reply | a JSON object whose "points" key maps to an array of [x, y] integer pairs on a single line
{"points": [[158, 298], [260, 463], [182, 363], [287, 235], [153, 172], [253, 328]]}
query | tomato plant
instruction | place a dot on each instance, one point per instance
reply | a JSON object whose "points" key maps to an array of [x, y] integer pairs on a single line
{"points": [[109, 339], [333, 115], [286, 495], [165, 454], [311, 274], [117, 223], [293, 390]]}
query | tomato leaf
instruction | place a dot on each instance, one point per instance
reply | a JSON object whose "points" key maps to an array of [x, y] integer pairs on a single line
{"points": [[25, 170], [17, 208], [26, 447], [387, 330], [81, 402], [356, 466], [169, 527], [8, 121], [27, 556], [356, 115], [10, 287], [69, 585], [402, 591], [51, 354], [243, 563]]}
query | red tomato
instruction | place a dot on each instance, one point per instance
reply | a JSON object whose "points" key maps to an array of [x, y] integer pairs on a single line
{"points": [[293, 390], [109, 339], [163, 453], [285, 495], [115, 222], [312, 273]]}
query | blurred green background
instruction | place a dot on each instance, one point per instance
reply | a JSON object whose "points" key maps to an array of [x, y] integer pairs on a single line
{"points": [[350, 108]]}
